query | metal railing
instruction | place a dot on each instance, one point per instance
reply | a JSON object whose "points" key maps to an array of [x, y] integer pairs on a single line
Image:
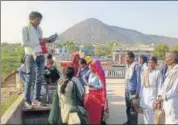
{"points": [[115, 72]]}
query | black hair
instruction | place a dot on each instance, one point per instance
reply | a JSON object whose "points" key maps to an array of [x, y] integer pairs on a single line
{"points": [[153, 59], [131, 54], [83, 61], [22, 59], [175, 56], [35, 14], [49, 56], [68, 74]]}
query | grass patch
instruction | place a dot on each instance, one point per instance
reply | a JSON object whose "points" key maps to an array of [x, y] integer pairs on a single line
{"points": [[7, 103], [10, 58]]}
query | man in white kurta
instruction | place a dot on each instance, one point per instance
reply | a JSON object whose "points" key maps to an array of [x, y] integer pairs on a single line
{"points": [[151, 82], [169, 90]]}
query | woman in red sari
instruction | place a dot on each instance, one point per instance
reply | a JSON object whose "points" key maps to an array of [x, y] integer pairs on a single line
{"points": [[75, 62], [96, 100]]}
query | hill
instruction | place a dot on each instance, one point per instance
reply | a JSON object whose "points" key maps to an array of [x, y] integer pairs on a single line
{"points": [[93, 30]]}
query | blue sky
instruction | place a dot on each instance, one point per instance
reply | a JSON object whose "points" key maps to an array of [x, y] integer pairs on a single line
{"points": [[149, 17]]}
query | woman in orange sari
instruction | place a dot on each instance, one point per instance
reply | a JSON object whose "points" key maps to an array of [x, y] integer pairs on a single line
{"points": [[96, 100]]}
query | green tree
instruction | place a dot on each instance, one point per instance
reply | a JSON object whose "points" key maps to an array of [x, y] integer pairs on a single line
{"points": [[58, 45], [112, 45], [88, 45], [20, 50], [70, 46], [174, 48], [10, 58], [102, 50], [160, 50], [4, 44]]}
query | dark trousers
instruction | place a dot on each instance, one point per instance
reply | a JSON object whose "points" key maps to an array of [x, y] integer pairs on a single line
{"points": [[132, 117]]}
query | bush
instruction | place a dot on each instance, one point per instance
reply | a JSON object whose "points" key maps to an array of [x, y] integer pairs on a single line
{"points": [[10, 58]]}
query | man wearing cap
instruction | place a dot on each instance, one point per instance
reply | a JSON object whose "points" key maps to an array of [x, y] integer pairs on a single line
{"points": [[34, 60]]}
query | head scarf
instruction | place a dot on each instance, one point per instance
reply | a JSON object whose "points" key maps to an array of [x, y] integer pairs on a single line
{"points": [[88, 59], [75, 62], [144, 58], [99, 72], [35, 14]]}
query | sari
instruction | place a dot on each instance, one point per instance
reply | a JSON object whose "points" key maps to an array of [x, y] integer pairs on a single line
{"points": [[96, 100], [75, 62]]}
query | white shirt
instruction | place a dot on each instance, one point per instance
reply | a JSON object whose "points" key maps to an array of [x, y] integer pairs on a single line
{"points": [[21, 68], [170, 96], [30, 39], [149, 94]]}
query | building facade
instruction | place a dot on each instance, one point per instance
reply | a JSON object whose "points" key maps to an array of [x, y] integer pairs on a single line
{"points": [[119, 53]]}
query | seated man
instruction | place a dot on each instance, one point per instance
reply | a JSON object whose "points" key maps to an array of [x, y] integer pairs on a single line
{"points": [[52, 70], [20, 71]]}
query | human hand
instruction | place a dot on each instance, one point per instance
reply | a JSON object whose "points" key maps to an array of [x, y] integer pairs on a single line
{"points": [[157, 103], [43, 41], [140, 110]]}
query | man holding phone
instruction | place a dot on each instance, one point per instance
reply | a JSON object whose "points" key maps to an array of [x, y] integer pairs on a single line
{"points": [[34, 60]]}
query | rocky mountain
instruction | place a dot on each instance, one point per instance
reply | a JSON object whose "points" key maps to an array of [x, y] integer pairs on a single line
{"points": [[93, 30]]}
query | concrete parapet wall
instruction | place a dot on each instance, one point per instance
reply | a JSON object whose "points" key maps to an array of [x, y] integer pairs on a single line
{"points": [[13, 114]]}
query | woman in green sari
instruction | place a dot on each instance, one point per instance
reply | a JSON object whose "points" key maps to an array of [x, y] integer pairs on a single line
{"points": [[67, 106]]}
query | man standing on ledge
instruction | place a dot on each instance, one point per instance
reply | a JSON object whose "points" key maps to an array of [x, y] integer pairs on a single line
{"points": [[132, 87], [34, 60]]}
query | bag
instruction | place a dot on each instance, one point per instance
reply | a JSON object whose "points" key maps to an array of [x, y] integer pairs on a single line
{"points": [[159, 116], [43, 48], [136, 104]]}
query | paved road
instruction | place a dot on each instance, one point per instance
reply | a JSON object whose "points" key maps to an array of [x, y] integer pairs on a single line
{"points": [[115, 92]]}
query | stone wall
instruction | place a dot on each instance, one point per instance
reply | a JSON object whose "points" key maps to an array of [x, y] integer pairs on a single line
{"points": [[13, 114]]}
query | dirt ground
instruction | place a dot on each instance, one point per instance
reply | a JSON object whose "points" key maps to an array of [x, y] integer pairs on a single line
{"points": [[116, 98], [9, 89]]}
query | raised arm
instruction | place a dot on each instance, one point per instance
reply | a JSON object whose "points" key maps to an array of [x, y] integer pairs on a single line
{"points": [[85, 77]]}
